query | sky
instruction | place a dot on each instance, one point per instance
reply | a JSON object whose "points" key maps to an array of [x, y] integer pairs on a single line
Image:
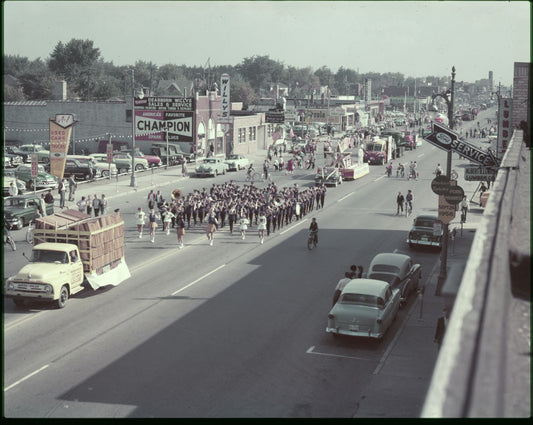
{"points": [[415, 38]]}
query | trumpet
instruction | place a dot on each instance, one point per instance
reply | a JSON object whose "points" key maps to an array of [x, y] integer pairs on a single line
{"points": [[176, 194]]}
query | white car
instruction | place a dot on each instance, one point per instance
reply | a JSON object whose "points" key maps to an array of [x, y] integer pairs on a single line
{"points": [[236, 162], [99, 162], [211, 167]]}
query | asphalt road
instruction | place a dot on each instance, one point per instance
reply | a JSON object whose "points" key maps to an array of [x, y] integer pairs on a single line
{"points": [[232, 330]]}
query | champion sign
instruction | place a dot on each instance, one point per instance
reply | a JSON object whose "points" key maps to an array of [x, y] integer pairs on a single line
{"points": [[153, 125], [179, 126]]}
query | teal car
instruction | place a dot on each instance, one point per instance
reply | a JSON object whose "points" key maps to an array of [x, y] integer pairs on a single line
{"points": [[42, 154], [42, 181], [19, 211]]}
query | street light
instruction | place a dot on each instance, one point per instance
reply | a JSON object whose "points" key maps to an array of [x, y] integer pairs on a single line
{"points": [[140, 95], [448, 97]]}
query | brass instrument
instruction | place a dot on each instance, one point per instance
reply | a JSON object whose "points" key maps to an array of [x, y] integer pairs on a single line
{"points": [[176, 194]]}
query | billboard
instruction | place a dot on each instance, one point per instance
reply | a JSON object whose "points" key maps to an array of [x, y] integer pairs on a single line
{"points": [[60, 130], [155, 116], [225, 102]]}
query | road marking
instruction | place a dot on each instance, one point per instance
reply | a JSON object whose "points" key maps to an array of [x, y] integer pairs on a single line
{"points": [[22, 320], [310, 351], [379, 178], [198, 280], [421, 155], [292, 227], [345, 196], [26, 377]]}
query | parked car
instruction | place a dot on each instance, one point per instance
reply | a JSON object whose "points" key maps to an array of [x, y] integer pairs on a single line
{"points": [[236, 162], [172, 156], [328, 176], [14, 150], [421, 234], [376, 152], [43, 179], [9, 177], [366, 307], [12, 160], [100, 164], [43, 155], [152, 160], [123, 162], [211, 167], [75, 168], [19, 211], [398, 270]]}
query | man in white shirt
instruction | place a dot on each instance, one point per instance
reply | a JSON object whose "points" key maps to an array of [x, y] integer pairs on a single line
{"points": [[13, 189], [340, 286]]}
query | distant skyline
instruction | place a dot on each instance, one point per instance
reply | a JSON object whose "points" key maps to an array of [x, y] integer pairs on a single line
{"points": [[417, 39]]}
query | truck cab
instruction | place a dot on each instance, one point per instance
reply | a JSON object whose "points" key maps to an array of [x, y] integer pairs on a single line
{"points": [[55, 272], [376, 152]]}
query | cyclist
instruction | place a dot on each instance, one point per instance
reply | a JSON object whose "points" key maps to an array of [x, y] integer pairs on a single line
{"points": [[412, 170], [438, 170], [250, 171], [313, 229], [409, 202], [400, 171]]}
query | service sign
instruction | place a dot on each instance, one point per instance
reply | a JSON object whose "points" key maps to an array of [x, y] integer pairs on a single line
{"points": [[447, 140]]}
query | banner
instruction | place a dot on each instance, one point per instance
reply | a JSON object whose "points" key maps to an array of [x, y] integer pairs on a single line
{"points": [[60, 130]]}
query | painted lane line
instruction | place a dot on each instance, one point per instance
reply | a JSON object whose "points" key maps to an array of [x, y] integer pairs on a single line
{"points": [[421, 155], [20, 321], [198, 280], [310, 351], [379, 178], [345, 196], [26, 377], [295, 225]]}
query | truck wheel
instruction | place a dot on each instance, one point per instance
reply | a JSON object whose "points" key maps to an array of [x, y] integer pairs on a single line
{"points": [[63, 297], [18, 303]]}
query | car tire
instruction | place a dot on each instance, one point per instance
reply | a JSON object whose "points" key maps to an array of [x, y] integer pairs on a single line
{"points": [[139, 167], [63, 297], [105, 173]]}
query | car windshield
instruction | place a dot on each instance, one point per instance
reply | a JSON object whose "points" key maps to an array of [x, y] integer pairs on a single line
{"points": [[27, 169], [385, 268], [42, 256], [424, 222], [374, 147], [14, 202], [360, 299], [210, 161], [233, 157]]}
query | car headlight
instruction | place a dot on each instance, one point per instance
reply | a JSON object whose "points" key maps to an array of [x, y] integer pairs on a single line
{"points": [[48, 289], [10, 286]]}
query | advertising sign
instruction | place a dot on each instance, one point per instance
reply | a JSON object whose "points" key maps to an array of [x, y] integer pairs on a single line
{"points": [[275, 117], [60, 130], [225, 105], [447, 140], [480, 174], [446, 210], [34, 165], [504, 126], [152, 125]]}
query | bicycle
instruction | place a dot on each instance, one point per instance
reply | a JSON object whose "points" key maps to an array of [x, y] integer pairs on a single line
{"points": [[254, 176], [312, 241], [29, 232], [9, 239]]}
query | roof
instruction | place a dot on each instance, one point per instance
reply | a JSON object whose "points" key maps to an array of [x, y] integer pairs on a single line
{"points": [[366, 286], [397, 260], [52, 246]]}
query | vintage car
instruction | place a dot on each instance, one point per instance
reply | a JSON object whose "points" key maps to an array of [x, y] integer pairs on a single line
{"points": [[421, 233], [102, 168], [398, 270], [123, 162], [366, 307], [211, 167], [12, 159], [19, 211], [9, 177], [78, 170], [409, 138], [236, 162], [42, 154], [328, 176], [376, 152], [152, 160], [43, 179]]}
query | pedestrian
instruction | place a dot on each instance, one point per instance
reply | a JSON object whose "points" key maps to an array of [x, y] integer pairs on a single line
{"points": [[96, 205], [167, 219], [82, 205], [261, 226], [62, 191], [42, 205], [442, 323], [399, 203], [353, 272], [184, 168], [49, 198], [243, 225], [265, 168], [465, 207], [180, 229], [72, 186], [89, 205], [340, 286], [140, 216], [103, 205], [152, 223], [482, 190], [13, 189], [151, 199], [211, 228]]}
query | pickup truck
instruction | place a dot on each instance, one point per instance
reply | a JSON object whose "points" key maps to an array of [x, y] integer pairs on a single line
{"points": [[70, 249], [19, 211]]}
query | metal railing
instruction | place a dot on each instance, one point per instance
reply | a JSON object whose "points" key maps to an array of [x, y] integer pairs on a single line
{"points": [[471, 376]]}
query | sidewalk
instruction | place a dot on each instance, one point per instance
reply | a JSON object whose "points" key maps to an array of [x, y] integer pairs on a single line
{"points": [[400, 382]]}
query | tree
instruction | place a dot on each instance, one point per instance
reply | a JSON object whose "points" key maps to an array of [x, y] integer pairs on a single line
{"points": [[37, 81], [241, 91], [259, 71], [15, 65], [324, 75]]}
